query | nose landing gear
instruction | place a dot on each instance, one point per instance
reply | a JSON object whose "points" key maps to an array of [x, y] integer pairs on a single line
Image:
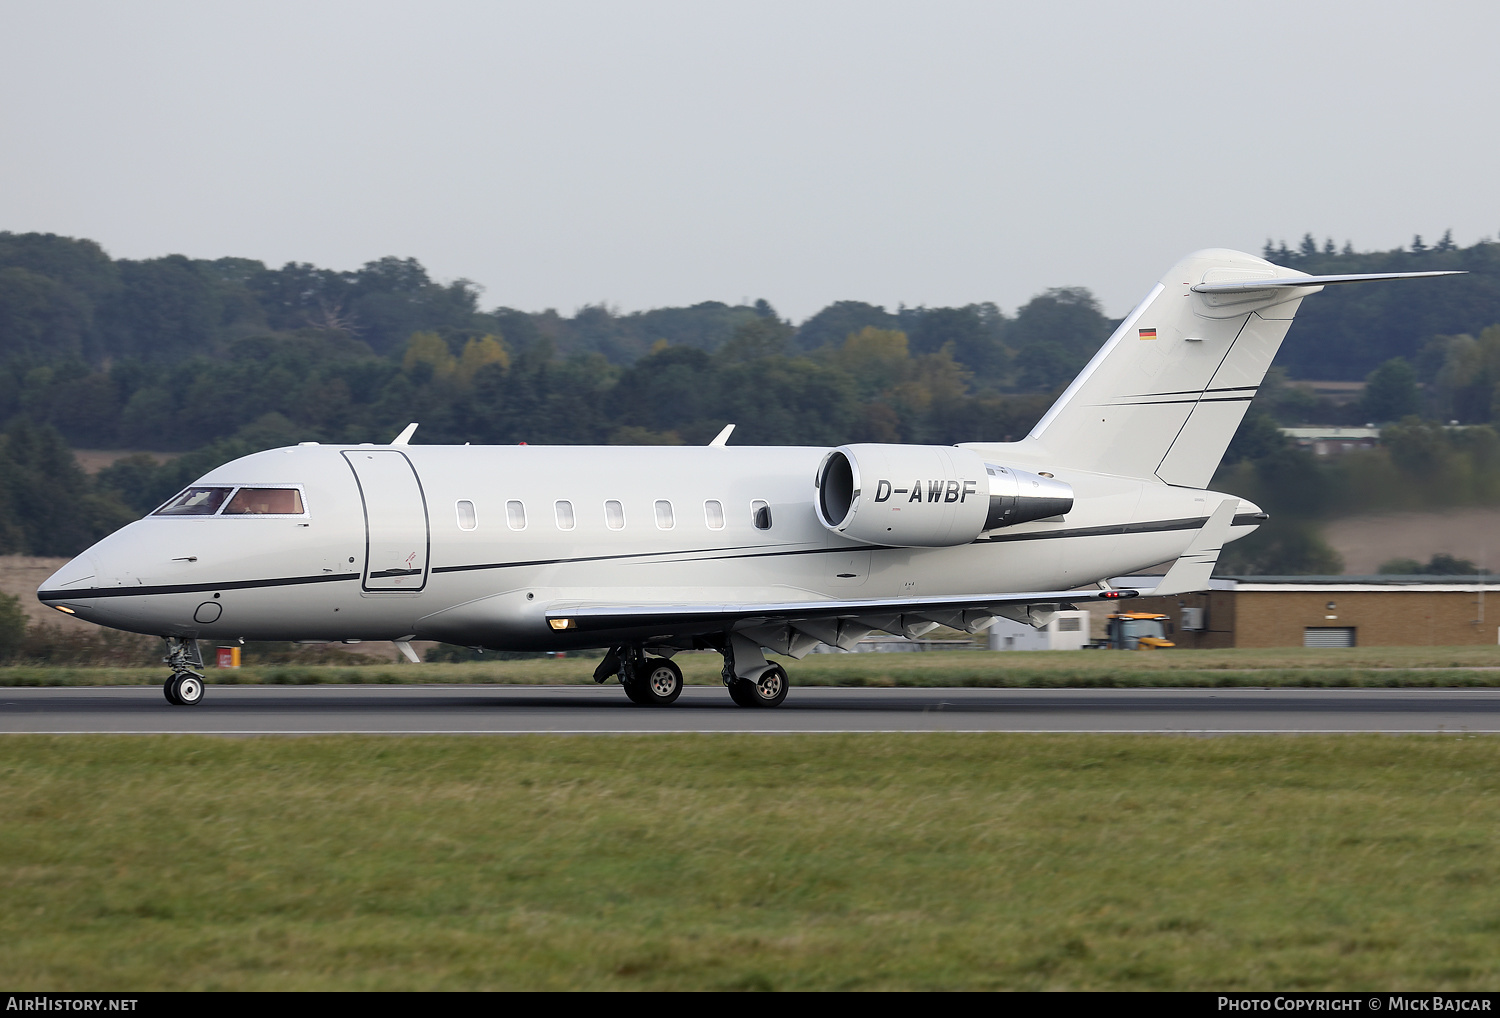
{"points": [[185, 687]]}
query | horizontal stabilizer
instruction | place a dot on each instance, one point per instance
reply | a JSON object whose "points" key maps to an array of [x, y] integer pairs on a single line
{"points": [[1193, 568], [1241, 285], [1167, 391]]}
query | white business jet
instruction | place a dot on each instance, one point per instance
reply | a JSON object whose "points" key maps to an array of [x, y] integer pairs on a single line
{"points": [[651, 551]]}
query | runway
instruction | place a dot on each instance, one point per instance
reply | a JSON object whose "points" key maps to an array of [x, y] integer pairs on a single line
{"points": [[305, 710]]}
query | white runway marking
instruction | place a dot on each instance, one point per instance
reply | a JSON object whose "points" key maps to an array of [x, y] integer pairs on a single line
{"points": [[585, 710]]}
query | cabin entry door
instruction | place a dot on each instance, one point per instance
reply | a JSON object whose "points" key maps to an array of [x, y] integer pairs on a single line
{"points": [[397, 540]]}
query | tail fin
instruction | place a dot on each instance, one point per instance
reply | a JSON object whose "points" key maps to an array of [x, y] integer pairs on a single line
{"points": [[1167, 391]]}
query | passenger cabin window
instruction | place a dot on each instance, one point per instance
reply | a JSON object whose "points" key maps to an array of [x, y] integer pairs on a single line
{"points": [[760, 514], [467, 520], [614, 515], [515, 515], [265, 502], [564, 511], [664, 520], [195, 502], [713, 514]]}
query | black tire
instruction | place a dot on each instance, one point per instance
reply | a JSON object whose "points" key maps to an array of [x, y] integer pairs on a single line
{"points": [[742, 692], [636, 692], [659, 682], [169, 690], [188, 689], [771, 688]]}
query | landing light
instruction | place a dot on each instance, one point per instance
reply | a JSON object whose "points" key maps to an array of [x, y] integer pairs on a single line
{"points": [[65, 608], [562, 623]]}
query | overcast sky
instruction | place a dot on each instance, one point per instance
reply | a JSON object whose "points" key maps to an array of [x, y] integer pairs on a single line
{"points": [[650, 153]]}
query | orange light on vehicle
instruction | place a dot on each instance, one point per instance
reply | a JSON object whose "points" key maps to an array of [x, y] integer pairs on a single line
{"points": [[562, 623], [65, 608]]}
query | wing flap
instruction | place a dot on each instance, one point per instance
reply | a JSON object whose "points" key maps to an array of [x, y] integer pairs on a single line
{"points": [[895, 614]]}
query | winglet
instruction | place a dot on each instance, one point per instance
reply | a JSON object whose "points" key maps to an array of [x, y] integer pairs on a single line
{"points": [[1191, 571], [722, 439], [405, 437]]}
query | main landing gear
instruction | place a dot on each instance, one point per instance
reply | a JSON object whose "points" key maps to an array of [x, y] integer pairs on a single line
{"points": [[751, 680], [657, 681], [648, 681], [185, 687]]}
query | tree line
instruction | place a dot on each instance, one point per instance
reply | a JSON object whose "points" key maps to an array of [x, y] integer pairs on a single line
{"points": [[215, 359]]}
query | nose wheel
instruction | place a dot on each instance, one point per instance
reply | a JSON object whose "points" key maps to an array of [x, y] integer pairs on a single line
{"points": [[185, 687]]}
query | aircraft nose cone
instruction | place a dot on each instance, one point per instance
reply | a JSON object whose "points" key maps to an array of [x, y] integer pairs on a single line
{"points": [[79, 573]]}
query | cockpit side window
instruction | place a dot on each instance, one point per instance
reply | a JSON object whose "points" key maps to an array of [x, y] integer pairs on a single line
{"points": [[195, 501], [265, 502]]}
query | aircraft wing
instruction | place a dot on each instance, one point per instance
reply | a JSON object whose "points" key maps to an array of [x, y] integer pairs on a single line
{"points": [[795, 627]]}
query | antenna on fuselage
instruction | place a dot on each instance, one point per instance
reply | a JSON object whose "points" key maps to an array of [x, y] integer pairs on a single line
{"points": [[722, 439], [405, 437]]}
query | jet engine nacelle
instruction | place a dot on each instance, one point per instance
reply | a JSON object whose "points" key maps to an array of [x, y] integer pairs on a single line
{"points": [[923, 496]]}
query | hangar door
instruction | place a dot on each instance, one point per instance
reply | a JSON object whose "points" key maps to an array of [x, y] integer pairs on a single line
{"points": [[396, 536], [1328, 636]]}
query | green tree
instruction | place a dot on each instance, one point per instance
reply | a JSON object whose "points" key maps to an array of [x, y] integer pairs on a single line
{"points": [[971, 335], [48, 505], [1443, 564], [1256, 438], [40, 318], [841, 319], [12, 627], [1391, 392], [1055, 334], [1287, 546]]}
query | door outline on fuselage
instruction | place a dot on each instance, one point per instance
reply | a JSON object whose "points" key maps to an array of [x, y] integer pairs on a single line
{"points": [[364, 579]]}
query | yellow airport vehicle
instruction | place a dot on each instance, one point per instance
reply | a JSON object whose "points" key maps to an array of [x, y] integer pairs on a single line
{"points": [[1138, 631]]}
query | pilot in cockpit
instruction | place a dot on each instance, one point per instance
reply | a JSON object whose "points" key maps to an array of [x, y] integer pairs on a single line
{"points": [[265, 501]]}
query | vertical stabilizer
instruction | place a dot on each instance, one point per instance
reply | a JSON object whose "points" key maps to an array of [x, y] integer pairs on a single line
{"points": [[1167, 391]]}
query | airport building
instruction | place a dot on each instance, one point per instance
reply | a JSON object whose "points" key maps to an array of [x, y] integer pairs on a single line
{"points": [[1330, 611], [1067, 630]]}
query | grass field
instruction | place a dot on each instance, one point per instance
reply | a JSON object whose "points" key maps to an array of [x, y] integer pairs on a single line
{"points": [[1292, 666], [751, 862]]}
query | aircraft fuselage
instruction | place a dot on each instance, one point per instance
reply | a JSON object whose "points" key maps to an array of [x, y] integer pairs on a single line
{"points": [[472, 544]]}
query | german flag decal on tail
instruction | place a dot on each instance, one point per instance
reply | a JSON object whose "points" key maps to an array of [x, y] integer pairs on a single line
{"points": [[1148, 333]]}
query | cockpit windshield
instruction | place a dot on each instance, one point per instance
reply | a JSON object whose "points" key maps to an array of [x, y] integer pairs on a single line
{"points": [[195, 502], [256, 501], [209, 501]]}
